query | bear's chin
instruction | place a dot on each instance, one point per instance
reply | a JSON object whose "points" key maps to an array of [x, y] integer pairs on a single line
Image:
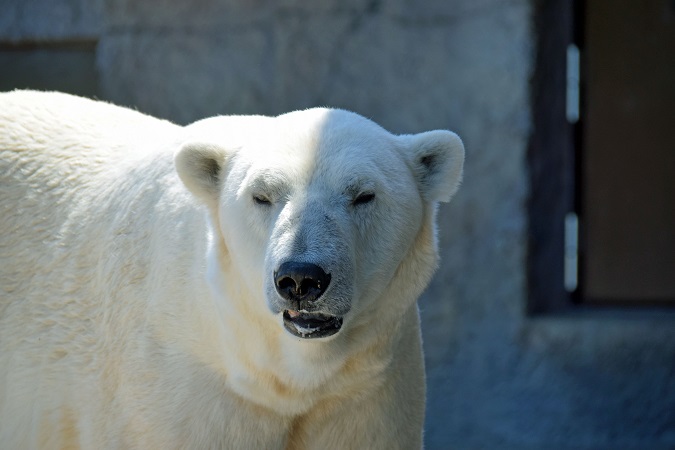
{"points": [[308, 325]]}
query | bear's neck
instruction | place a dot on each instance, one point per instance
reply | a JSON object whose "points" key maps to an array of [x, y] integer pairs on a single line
{"points": [[264, 364]]}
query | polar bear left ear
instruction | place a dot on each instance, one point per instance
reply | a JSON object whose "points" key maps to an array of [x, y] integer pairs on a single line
{"points": [[200, 167], [438, 163]]}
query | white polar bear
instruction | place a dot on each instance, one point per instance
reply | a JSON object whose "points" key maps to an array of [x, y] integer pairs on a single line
{"points": [[270, 305]]}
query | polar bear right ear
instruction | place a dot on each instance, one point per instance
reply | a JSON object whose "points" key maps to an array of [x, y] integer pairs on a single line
{"points": [[200, 167], [437, 162]]}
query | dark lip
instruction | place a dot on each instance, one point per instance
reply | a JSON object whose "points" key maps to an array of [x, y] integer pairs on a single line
{"points": [[312, 325]]}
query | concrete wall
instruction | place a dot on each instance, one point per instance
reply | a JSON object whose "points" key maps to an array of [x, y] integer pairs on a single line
{"points": [[497, 378]]}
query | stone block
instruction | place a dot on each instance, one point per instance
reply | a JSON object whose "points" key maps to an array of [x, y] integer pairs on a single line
{"points": [[185, 77], [194, 15], [199, 15], [439, 11], [55, 20]]}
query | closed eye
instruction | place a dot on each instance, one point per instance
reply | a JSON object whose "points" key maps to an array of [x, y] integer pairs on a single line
{"points": [[261, 200], [363, 198]]}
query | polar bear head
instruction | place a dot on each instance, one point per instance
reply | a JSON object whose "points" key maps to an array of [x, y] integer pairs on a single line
{"points": [[319, 212]]}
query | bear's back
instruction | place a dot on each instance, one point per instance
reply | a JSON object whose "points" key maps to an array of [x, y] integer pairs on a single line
{"points": [[69, 132], [61, 159], [69, 193]]}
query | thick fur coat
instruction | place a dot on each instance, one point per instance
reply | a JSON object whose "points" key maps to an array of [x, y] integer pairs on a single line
{"points": [[244, 282]]}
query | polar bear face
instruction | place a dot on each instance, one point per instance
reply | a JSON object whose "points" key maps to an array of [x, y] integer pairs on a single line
{"points": [[318, 208]]}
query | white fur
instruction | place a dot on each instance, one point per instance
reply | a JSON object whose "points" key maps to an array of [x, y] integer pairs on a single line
{"points": [[136, 313]]}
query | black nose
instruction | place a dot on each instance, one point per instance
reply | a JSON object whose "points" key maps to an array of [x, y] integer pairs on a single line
{"points": [[299, 281]]}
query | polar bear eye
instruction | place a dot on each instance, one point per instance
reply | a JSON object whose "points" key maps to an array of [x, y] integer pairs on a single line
{"points": [[261, 200], [363, 198]]}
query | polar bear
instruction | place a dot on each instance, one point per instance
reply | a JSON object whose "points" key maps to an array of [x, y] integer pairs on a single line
{"points": [[244, 282]]}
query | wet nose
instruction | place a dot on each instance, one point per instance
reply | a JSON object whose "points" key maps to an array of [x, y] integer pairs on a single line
{"points": [[299, 281]]}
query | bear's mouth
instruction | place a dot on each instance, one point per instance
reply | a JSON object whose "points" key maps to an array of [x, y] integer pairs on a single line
{"points": [[311, 325]]}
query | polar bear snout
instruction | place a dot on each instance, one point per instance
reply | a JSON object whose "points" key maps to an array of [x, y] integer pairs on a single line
{"points": [[300, 281], [301, 284]]}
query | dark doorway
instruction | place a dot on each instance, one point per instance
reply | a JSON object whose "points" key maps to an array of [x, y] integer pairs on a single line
{"points": [[628, 152], [612, 165]]}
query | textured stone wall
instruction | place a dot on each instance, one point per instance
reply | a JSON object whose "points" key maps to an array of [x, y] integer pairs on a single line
{"points": [[496, 378], [48, 20]]}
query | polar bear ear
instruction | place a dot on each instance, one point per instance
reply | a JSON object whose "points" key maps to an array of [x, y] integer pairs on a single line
{"points": [[200, 167], [438, 162]]}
